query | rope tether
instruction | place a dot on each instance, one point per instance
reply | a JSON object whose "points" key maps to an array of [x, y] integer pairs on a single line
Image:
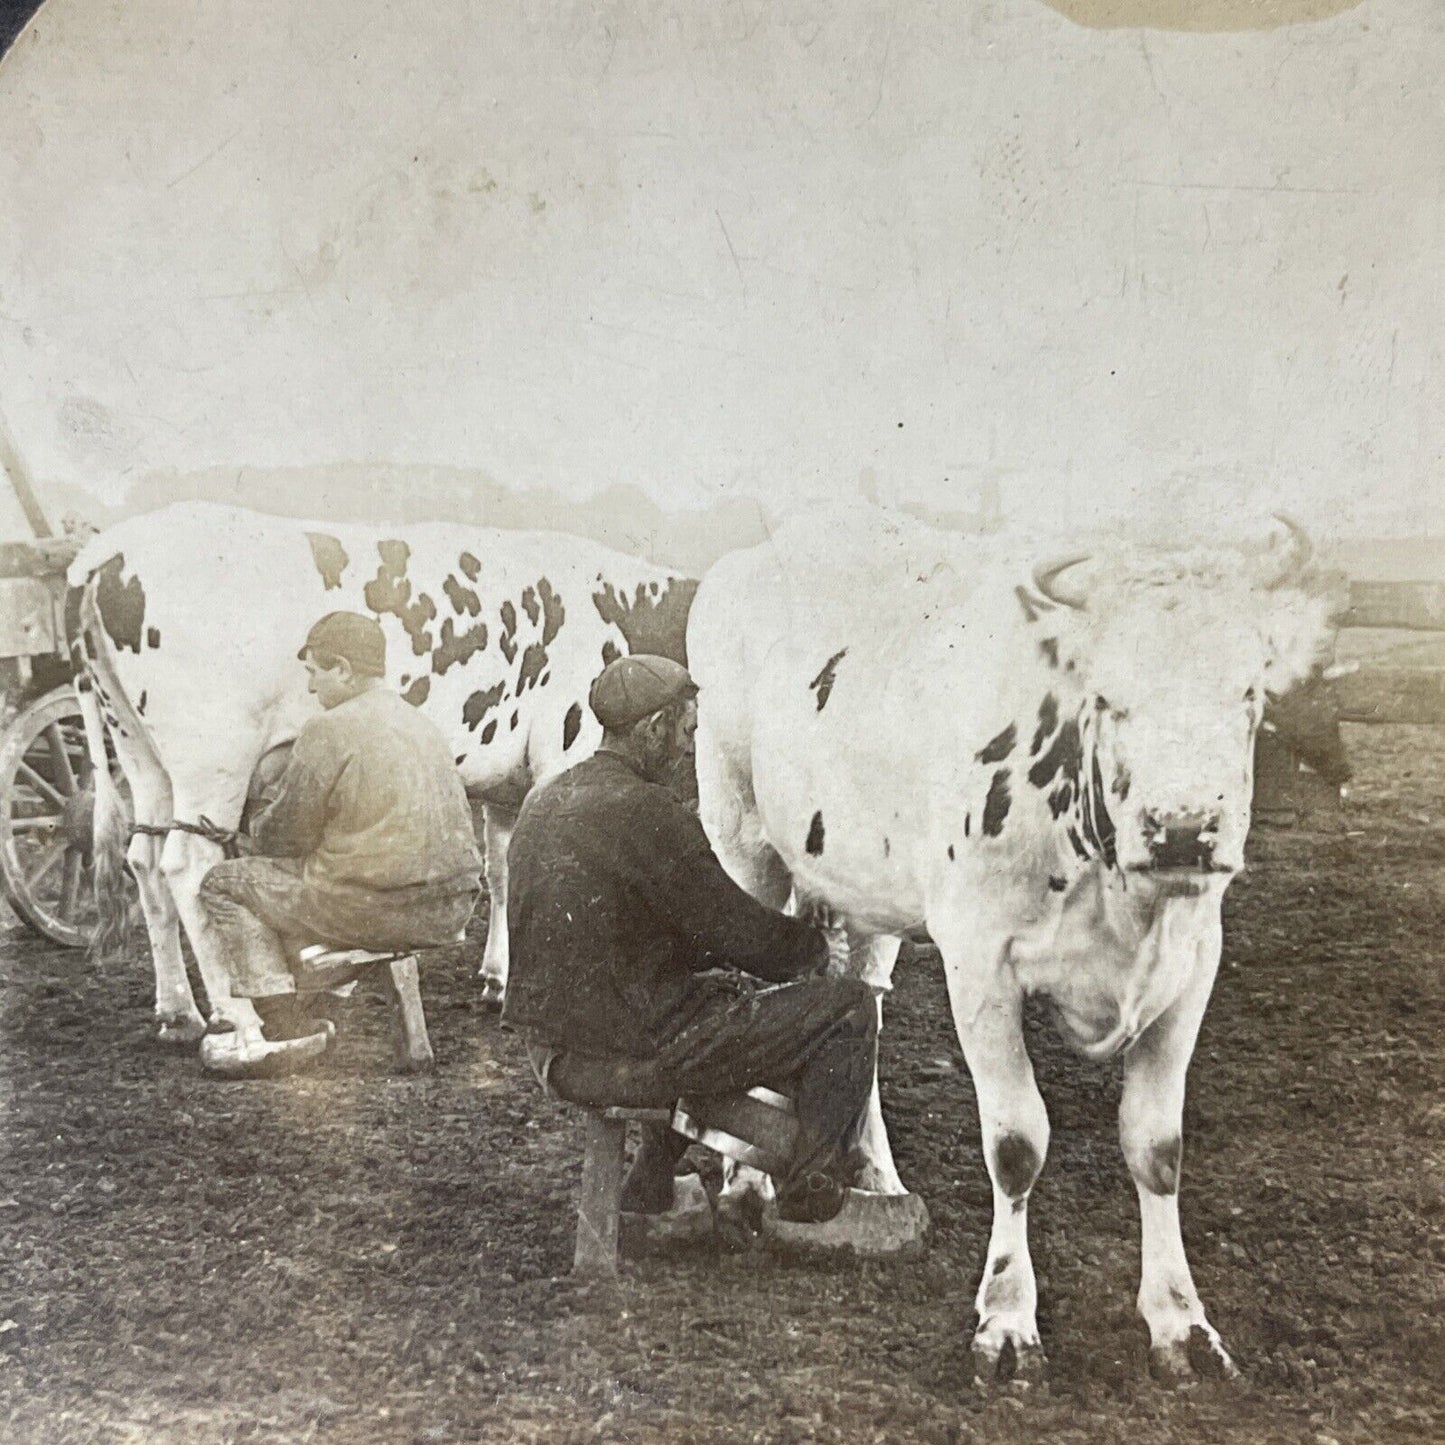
{"points": [[206, 829]]}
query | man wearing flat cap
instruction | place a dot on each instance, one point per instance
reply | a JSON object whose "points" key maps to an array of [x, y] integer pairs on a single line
{"points": [[636, 961], [367, 843]]}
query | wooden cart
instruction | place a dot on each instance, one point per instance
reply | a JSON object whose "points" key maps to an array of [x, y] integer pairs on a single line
{"points": [[46, 798]]}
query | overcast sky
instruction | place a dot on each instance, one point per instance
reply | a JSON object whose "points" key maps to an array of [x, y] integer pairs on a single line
{"points": [[737, 249]]}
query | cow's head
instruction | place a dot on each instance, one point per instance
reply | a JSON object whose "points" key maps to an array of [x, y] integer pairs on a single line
{"points": [[1174, 655]]}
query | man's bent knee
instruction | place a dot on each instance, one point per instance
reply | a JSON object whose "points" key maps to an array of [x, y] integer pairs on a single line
{"points": [[607, 1082], [226, 881]]}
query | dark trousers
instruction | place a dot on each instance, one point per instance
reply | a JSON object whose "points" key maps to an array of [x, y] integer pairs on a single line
{"points": [[262, 911], [815, 1040]]}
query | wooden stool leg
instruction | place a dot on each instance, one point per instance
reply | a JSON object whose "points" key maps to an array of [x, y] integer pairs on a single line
{"points": [[413, 1047], [596, 1251]]}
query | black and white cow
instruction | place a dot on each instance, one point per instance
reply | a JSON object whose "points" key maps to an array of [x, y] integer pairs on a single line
{"points": [[894, 723], [186, 622]]}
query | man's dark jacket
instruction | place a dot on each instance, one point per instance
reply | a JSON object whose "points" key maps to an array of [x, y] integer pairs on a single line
{"points": [[615, 903]]}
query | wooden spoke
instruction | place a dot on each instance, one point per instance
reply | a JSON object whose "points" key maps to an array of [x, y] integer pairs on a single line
{"points": [[40, 784], [44, 872], [52, 861]]}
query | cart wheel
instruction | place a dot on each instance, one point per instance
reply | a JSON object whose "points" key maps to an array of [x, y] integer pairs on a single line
{"points": [[46, 806]]}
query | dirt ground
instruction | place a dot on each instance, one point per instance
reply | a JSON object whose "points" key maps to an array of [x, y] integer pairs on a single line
{"points": [[355, 1257]]}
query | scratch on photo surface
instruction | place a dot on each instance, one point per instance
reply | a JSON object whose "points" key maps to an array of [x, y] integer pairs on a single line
{"points": [[731, 251]]}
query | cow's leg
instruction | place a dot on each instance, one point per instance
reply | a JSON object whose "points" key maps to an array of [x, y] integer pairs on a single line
{"points": [[988, 1015], [872, 961], [728, 812], [879, 1173], [1150, 1130], [497, 828], [178, 1020], [185, 861]]}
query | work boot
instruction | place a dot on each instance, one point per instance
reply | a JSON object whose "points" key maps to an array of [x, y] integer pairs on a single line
{"points": [[811, 1199], [867, 1223], [284, 1017], [249, 1049]]}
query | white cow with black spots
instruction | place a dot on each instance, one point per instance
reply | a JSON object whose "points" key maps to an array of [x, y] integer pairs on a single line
{"points": [[185, 625], [1051, 773]]}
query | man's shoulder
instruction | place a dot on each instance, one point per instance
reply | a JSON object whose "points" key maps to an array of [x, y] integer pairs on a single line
{"points": [[318, 728], [350, 723], [376, 705], [407, 716], [604, 783], [585, 780], [650, 814]]}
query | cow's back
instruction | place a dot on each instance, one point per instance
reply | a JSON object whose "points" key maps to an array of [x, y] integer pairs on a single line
{"points": [[838, 585], [495, 635]]}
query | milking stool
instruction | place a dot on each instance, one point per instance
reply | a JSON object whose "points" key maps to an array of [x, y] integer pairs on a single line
{"points": [[322, 970], [755, 1128], [599, 1205]]}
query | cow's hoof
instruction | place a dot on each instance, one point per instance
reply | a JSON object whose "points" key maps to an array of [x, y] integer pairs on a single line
{"points": [[180, 1029], [868, 1224], [1201, 1356], [1003, 1355], [422, 1061], [493, 992]]}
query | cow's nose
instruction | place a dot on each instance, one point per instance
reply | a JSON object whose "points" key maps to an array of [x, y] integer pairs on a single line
{"points": [[1181, 840]]}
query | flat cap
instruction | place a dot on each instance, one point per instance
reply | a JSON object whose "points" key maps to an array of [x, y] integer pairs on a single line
{"points": [[632, 688], [351, 635]]}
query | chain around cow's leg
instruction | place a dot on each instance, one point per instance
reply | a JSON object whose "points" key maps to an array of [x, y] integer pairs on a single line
{"points": [[1182, 1341], [497, 831], [987, 1013]]}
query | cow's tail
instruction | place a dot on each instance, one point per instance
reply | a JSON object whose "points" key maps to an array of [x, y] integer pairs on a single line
{"points": [[110, 836]]}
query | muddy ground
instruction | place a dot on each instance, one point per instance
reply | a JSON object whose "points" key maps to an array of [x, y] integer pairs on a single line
{"points": [[355, 1257]]}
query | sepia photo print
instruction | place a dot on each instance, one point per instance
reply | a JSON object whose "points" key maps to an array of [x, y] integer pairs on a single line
{"points": [[722, 722]]}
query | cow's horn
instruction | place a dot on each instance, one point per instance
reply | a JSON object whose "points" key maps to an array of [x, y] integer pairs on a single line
{"points": [[1298, 557], [1046, 581]]}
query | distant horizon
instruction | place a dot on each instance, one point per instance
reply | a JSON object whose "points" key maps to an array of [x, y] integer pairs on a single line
{"points": [[622, 517]]}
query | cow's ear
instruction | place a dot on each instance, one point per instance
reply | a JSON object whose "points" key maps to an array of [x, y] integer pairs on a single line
{"points": [[1299, 634]]}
